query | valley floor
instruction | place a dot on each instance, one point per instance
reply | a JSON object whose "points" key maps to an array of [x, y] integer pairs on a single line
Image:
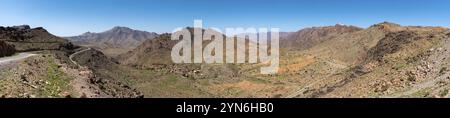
{"points": [[301, 75]]}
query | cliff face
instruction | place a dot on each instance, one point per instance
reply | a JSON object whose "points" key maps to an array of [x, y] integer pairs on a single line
{"points": [[6, 49]]}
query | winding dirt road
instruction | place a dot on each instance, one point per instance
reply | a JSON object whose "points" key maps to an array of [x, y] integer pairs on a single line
{"points": [[72, 55], [8, 60]]}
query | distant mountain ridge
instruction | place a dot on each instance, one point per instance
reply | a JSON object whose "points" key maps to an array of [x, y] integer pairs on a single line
{"points": [[122, 38], [308, 37]]}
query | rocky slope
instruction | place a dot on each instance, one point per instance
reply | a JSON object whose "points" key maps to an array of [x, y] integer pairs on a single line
{"points": [[385, 59], [47, 76], [105, 74], [156, 51], [308, 37], [25, 38], [51, 71]]}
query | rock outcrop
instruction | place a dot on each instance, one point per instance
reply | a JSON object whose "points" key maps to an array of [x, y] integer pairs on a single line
{"points": [[25, 38], [6, 49]]}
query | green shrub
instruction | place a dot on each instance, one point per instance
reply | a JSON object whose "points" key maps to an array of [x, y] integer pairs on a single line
{"points": [[56, 81]]}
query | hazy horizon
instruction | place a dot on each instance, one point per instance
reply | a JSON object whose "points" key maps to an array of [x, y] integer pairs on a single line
{"points": [[70, 18]]}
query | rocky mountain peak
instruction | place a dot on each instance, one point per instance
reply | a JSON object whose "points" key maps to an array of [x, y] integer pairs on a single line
{"points": [[22, 27], [120, 29], [385, 25], [118, 37]]}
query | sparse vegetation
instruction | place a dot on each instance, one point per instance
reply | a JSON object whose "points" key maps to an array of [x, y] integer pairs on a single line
{"points": [[400, 66], [338, 61], [443, 92], [260, 80], [421, 93], [57, 82]]}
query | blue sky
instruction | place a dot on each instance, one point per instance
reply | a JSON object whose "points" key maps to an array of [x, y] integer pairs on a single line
{"points": [[74, 17]]}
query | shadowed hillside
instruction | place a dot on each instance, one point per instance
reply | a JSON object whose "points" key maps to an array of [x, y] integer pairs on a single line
{"points": [[6, 49], [25, 38]]}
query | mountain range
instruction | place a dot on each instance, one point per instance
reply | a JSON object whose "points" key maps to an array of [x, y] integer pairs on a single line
{"points": [[383, 60], [114, 41]]}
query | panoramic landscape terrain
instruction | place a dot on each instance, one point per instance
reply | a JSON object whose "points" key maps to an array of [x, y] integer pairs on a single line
{"points": [[127, 49], [383, 60]]}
